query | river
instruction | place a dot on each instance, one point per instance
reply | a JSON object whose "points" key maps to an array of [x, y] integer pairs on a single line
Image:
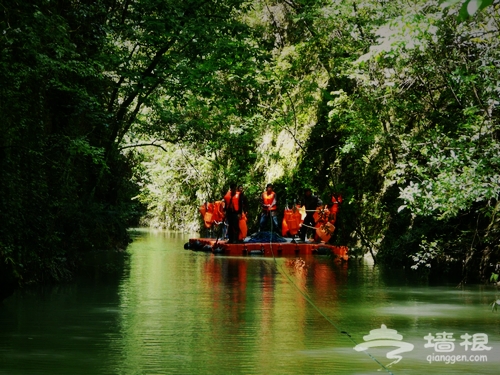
{"points": [[175, 311]]}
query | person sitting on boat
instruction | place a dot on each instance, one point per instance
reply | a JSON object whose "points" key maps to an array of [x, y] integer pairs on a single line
{"points": [[311, 203], [233, 210], [269, 209]]}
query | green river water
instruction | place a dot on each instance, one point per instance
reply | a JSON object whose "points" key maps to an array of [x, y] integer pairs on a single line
{"points": [[175, 311]]}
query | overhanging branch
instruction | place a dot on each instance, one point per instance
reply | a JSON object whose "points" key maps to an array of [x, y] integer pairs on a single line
{"points": [[142, 145]]}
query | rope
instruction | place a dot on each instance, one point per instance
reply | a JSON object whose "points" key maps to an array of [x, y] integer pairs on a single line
{"points": [[311, 302], [308, 226]]}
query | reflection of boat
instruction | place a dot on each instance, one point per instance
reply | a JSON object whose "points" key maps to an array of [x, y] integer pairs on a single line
{"points": [[284, 249]]}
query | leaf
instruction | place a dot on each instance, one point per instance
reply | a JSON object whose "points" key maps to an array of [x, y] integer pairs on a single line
{"points": [[470, 7], [473, 6], [463, 14], [485, 3]]}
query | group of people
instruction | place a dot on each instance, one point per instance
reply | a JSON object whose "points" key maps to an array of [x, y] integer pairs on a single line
{"points": [[234, 207]]}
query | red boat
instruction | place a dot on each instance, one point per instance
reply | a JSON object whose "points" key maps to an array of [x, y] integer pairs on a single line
{"points": [[270, 243], [277, 249]]}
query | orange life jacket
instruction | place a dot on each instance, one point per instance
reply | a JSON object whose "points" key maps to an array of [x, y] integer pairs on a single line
{"points": [[269, 199], [243, 227], [325, 231], [321, 214], [292, 219], [335, 203], [218, 211], [294, 222], [232, 202], [203, 210], [208, 215], [284, 224], [212, 212]]}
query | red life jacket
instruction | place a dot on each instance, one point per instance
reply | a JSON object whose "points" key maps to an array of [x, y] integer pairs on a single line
{"points": [[335, 203], [294, 221], [208, 213], [269, 199], [218, 211], [232, 202], [243, 227]]}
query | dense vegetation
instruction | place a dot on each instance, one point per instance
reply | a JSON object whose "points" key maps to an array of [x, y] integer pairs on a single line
{"points": [[394, 105], [77, 79], [113, 107]]}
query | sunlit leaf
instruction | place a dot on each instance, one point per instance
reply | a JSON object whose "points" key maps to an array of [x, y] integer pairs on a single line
{"points": [[473, 6]]}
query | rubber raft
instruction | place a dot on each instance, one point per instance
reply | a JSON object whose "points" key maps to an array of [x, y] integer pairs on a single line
{"points": [[266, 249]]}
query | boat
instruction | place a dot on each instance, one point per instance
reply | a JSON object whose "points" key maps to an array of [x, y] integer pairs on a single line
{"points": [[285, 247], [270, 244]]}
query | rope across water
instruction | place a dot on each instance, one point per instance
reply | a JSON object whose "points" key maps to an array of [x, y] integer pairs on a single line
{"points": [[311, 302]]}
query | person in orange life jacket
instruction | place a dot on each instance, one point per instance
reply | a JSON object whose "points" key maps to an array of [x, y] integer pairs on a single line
{"points": [[243, 199], [269, 209], [310, 202], [334, 207], [233, 209]]}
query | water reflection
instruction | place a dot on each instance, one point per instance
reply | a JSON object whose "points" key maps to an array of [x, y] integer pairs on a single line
{"points": [[179, 312]]}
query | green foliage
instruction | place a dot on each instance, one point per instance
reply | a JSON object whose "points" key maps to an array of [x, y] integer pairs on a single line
{"points": [[468, 7], [394, 105]]}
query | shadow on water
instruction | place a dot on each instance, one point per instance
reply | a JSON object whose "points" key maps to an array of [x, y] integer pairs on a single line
{"points": [[175, 311]]}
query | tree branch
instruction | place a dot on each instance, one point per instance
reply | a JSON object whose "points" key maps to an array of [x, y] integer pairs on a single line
{"points": [[142, 145]]}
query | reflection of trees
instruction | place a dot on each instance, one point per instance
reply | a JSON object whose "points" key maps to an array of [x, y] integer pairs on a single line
{"points": [[190, 310]]}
